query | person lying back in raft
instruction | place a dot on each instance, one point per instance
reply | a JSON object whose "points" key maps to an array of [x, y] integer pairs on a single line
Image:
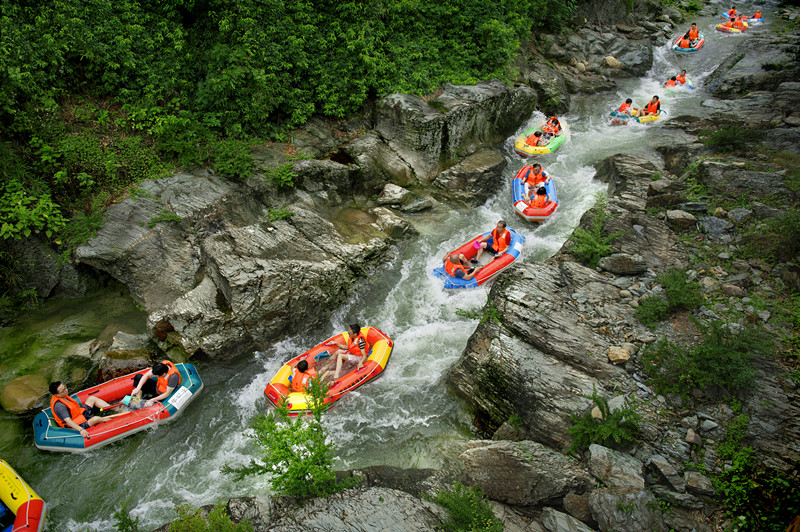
{"points": [[166, 380], [301, 374], [356, 349], [535, 139], [653, 107], [496, 242], [69, 413], [455, 266], [532, 180]]}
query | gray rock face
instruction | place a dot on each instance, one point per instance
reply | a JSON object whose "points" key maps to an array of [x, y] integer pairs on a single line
{"points": [[615, 469], [623, 264], [555, 521], [474, 179], [626, 510], [666, 472], [522, 473], [432, 137], [736, 181]]}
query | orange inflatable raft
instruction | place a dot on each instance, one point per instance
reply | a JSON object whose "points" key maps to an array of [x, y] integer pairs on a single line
{"points": [[319, 357]]}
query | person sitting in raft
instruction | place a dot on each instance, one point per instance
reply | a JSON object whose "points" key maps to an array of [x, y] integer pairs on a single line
{"points": [[685, 42], [671, 82], [454, 266], [301, 374], [732, 13], [757, 14], [539, 200], [681, 78], [533, 179], [157, 383], [535, 139], [552, 128], [625, 108], [653, 107], [356, 349], [694, 32], [70, 413], [496, 242]]}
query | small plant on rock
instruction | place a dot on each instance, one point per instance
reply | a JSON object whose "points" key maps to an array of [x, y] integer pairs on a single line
{"points": [[589, 246], [468, 510], [728, 139], [617, 429]]}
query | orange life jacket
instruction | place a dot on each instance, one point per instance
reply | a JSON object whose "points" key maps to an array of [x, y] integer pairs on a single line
{"points": [[352, 343], [300, 380], [652, 108], [505, 238], [684, 43], [694, 33], [532, 140], [670, 83], [75, 410], [681, 78], [538, 201], [757, 14], [161, 385], [732, 12], [551, 126], [534, 178], [624, 108], [451, 268], [737, 23]]}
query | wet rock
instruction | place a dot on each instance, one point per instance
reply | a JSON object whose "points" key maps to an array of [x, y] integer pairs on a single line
{"points": [[394, 195], [615, 469], [474, 179], [25, 393], [419, 205], [117, 363], [626, 510]]}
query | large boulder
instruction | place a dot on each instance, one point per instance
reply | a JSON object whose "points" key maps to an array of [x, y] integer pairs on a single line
{"points": [[474, 179], [24, 393]]}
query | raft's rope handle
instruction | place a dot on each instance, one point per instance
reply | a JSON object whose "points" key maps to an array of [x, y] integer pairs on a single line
{"points": [[24, 487]]}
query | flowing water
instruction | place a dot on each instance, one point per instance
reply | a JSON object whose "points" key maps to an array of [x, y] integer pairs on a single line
{"points": [[405, 418]]}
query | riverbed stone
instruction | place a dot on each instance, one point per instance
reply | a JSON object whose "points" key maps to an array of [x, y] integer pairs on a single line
{"points": [[623, 264], [394, 195], [698, 483], [474, 179], [25, 393], [681, 220]]}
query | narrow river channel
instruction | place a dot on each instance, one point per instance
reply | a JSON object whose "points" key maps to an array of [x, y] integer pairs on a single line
{"points": [[406, 418]]}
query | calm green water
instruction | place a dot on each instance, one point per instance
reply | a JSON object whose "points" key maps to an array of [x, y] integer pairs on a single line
{"points": [[406, 418]]}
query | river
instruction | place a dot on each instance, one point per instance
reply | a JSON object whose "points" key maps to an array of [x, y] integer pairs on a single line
{"points": [[406, 418]]}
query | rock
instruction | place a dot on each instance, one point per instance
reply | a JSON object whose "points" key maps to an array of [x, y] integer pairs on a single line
{"points": [[394, 195], [666, 472], [618, 355], [625, 172], [375, 158], [522, 473], [509, 432], [623, 264], [419, 205], [693, 438], [474, 179], [626, 510], [555, 521], [732, 290], [684, 500], [25, 393], [681, 220], [615, 469], [578, 507], [698, 484], [121, 362], [580, 66], [689, 422], [612, 62], [713, 226]]}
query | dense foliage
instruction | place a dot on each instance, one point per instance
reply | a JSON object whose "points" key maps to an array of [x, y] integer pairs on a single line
{"points": [[468, 510], [592, 244], [680, 293], [616, 429]]}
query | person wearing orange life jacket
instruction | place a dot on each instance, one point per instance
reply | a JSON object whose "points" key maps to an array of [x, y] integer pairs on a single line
{"points": [[732, 12], [497, 242], [70, 413], [166, 380], [757, 14], [653, 107], [694, 32], [671, 82], [535, 139], [625, 108], [301, 374], [685, 42], [539, 200], [455, 267], [552, 128], [533, 178], [356, 349], [681, 78]]}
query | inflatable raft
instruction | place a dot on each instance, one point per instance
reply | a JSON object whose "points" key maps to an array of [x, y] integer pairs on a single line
{"points": [[279, 388], [524, 149], [701, 41], [619, 119], [728, 29], [491, 266], [21, 509], [523, 208], [647, 118], [48, 436], [750, 20], [678, 88]]}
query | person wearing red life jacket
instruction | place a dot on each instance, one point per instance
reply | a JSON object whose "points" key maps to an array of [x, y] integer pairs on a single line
{"points": [[301, 374], [653, 107], [625, 108], [681, 78], [732, 13], [157, 383], [497, 242], [552, 128], [355, 350], [455, 266], [535, 139], [69, 413], [533, 178], [757, 14], [671, 82]]}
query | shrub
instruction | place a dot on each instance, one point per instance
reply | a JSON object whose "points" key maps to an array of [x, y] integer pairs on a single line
{"points": [[776, 241], [617, 429], [282, 176], [728, 139], [652, 309], [295, 452], [589, 246], [680, 291], [468, 510], [232, 158], [278, 214], [123, 521], [163, 216], [218, 520], [489, 312]]}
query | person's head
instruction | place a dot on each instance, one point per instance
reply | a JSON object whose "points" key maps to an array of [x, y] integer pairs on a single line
{"points": [[355, 328], [454, 258], [302, 366], [628, 101], [655, 99], [159, 369], [501, 225], [537, 133], [541, 192], [58, 388], [694, 24], [537, 166], [674, 78], [683, 72]]}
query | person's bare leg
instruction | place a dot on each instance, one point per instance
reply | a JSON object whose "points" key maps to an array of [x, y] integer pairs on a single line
{"points": [[96, 401], [339, 361]]}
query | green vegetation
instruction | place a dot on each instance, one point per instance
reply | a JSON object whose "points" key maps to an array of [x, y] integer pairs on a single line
{"points": [[468, 510], [295, 452], [720, 361], [592, 245], [163, 216], [488, 312], [278, 214], [282, 176], [189, 520], [617, 429], [777, 240], [123, 521], [232, 159], [679, 294], [727, 139]]}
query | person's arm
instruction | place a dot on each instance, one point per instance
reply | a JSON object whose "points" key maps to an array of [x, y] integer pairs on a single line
{"points": [[138, 390], [172, 383], [77, 427]]}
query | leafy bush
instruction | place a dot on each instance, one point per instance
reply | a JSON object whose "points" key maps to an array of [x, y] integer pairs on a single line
{"points": [[123, 521], [282, 176], [681, 292], [617, 429], [776, 241], [589, 246], [218, 520], [489, 312], [278, 214], [721, 360], [728, 139], [652, 309], [296, 453], [232, 158], [468, 510]]}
